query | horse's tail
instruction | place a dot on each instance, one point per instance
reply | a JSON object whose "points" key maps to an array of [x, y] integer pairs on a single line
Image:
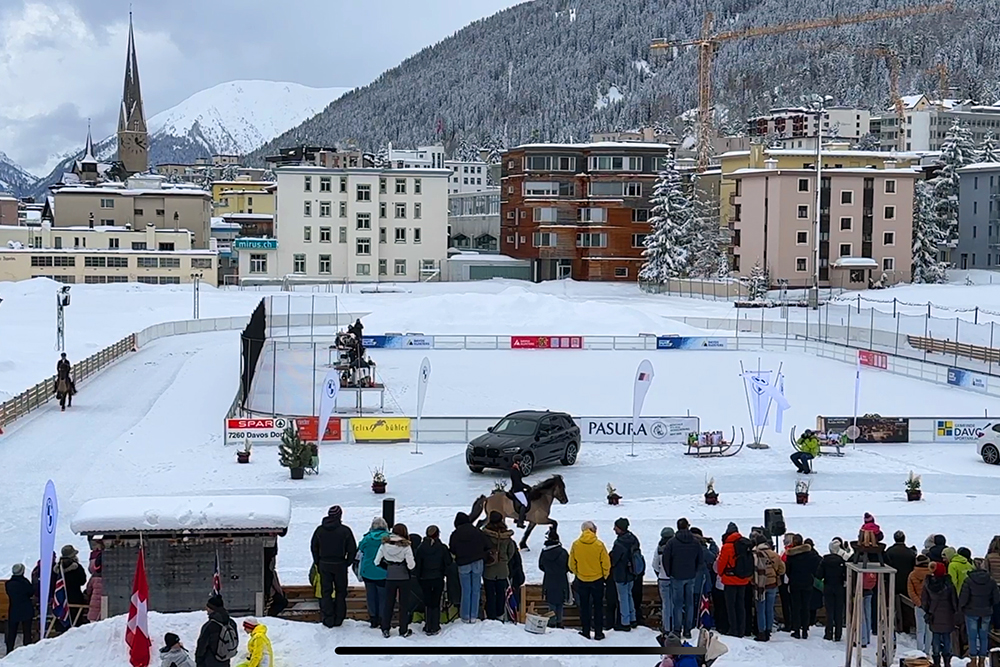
{"points": [[477, 508]]}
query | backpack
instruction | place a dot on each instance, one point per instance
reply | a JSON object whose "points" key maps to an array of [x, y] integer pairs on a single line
{"points": [[742, 561], [637, 564], [229, 642], [492, 557]]}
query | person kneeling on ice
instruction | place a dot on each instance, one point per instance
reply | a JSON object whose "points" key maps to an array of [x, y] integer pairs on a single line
{"points": [[808, 449], [259, 652], [519, 490]]}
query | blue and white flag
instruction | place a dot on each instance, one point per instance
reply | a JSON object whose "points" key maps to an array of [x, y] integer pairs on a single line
{"points": [[327, 402], [49, 521]]}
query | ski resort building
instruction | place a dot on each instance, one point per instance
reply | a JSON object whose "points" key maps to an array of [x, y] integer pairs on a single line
{"points": [[978, 217], [798, 127]]}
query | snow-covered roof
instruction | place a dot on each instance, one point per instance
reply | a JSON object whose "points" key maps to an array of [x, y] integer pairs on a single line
{"points": [[980, 166], [885, 155], [112, 251], [468, 256], [134, 192], [249, 216], [913, 171], [599, 145], [855, 263], [177, 513]]}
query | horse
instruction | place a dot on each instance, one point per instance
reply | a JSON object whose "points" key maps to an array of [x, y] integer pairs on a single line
{"points": [[64, 391], [540, 499]]}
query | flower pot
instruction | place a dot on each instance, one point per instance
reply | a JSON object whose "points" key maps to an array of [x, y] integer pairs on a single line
{"points": [[378, 487], [711, 498], [243, 457], [802, 498], [912, 495], [298, 473], [613, 500]]}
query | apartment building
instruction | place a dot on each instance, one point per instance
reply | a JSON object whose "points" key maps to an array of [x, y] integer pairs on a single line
{"points": [[103, 255], [866, 225], [798, 127], [928, 121], [978, 217], [467, 176], [320, 156], [578, 211], [474, 220], [359, 225]]}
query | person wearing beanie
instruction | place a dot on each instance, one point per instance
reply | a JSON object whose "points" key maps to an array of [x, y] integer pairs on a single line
{"points": [[833, 573], [396, 556], [915, 588], [623, 559], [173, 653], [333, 551], [977, 599], [940, 602], [936, 552], [218, 633], [471, 548], [663, 581], [736, 553], [21, 610], [433, 560], [554, 564], [959, 566], [769, 569], [902, 558], [801, 565], [259, 650], [590, 563], [497, 567], [371, 574], [683, 558]]}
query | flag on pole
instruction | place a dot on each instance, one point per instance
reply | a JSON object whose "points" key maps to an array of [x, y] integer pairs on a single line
{"points": [[857, 389], [327, 402], [422, 379], [643, 378], [137, 629], [216, 577], [60, 605], [782, 405]]}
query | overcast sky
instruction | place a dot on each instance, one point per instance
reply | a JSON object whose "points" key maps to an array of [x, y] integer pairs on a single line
{"points": [[62, 61]]}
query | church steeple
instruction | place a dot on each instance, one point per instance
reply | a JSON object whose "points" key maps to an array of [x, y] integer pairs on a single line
{"points": [[88, 153], [133, 145]]}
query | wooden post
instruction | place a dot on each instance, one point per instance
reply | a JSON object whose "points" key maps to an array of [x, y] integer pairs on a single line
{"points": [[885, 639]]}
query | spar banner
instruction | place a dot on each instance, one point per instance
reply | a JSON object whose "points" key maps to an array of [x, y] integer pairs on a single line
{"points": [[691, 343], [308, 428], [874, 429], [665, 430], [961, 430], [380, 429], [399, 341], [960, 377], [266, 431], [546, 342]]}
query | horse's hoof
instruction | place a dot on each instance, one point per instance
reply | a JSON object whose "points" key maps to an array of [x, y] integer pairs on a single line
{"points": [[524, 547]]}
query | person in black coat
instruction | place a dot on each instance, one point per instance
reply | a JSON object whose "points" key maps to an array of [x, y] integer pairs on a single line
{"points": [[554, 564], [22, 608], [333, 550], [208, 638], [75, 578], [832, 572], [904, 559], [935, 553], [801, 565], [432, 559], [470, 547], [515, 566], [625, 546]]}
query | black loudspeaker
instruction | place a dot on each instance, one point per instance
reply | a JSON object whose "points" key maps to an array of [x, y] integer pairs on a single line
{"points": [[389, 512], [774, 522]]}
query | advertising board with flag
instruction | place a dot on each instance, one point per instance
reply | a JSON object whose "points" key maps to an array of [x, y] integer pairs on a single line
{"points": [[137, 629]]}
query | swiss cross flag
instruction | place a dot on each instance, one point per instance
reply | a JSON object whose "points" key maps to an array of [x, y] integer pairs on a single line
{"points": [[137, 630]]}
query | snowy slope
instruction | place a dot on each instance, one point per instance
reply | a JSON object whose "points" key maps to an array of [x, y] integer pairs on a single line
{"points": [[14, 179]]}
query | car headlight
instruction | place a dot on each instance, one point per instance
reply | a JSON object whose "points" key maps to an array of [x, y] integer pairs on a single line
{"points": [[511, 450]]}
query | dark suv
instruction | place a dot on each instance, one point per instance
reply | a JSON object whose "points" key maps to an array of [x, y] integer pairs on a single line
{"points": [[539, 437]]}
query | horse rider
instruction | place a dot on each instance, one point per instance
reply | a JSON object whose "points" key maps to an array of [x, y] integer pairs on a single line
{"points": [[519, 490], [63, 379]]}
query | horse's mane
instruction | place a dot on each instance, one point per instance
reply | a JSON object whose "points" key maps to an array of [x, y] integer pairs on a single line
{"points": [[542, 487]]}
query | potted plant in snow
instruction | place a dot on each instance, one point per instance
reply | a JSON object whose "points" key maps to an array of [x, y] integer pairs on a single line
{"points": [[711, 497], [378, 480], [294, 453], [802, 492], [243, 454], [913, 487], [613, 496]]}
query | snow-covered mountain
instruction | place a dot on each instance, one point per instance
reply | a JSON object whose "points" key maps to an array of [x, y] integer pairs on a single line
{"points": [[13, 178], [231, 118]]}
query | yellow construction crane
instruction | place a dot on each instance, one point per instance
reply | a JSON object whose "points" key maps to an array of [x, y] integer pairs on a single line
{"points": [[710, 41]]}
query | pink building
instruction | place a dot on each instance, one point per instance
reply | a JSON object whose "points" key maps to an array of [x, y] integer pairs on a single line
{"points": [[866, 225]]}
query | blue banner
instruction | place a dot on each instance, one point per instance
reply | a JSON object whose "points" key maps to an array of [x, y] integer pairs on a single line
{"points": [[399, 342], [691, 343], [960, 377]]}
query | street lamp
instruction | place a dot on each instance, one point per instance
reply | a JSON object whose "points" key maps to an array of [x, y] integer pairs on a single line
{"points": [[818, 104], [195, 284], [62, 301]]}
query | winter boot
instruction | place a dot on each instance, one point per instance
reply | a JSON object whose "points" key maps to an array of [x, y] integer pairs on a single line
{"points": [[521, 511], [795, 634], [760, 637], [805, 633], [936, 661], [947, 661]]}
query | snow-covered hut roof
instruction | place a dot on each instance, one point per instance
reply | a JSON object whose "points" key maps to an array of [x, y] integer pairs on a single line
{"points": [[182, 513], [855, 263]]}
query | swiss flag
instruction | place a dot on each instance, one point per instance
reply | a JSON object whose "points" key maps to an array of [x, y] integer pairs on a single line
{"points": [[137, 630]]}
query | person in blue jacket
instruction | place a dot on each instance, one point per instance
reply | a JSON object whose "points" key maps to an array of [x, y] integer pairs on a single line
{"points": [[371, 574]]}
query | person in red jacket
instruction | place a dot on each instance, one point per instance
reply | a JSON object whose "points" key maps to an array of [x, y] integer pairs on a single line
{"points": [[735, 569]]}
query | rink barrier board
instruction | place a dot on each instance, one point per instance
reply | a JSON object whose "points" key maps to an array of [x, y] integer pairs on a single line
{"points": [[919, 430]]}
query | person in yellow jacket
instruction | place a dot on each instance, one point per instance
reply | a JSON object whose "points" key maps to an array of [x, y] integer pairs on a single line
{"points": [[590, 562], [259, 652]]}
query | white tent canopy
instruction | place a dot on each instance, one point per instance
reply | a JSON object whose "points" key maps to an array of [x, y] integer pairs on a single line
{"points": [[179, 513]]}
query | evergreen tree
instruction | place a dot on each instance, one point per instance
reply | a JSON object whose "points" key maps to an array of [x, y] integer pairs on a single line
{"points": [[869, 142], [926, 267], [988, 151], [758, 283], [671, 222], [705, 241], [957, 151], [293, 452]]}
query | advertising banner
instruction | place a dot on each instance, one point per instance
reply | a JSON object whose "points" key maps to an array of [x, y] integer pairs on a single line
{"points": [[691, 343], [546, 342], [264, 431], [874, 430], [399, 342], [967, 379], [47, 544], [666, 430], [759, 388], [961, 430], [381, 429], [643, 379], [309, 429], [873, 359]]}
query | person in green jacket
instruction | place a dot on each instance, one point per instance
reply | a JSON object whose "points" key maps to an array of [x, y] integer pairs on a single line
{"points": [[808, 449], [371, 574], [959, 565]]}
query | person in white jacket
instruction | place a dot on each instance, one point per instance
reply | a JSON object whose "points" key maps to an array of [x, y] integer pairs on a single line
{"points": [[396, 556]]}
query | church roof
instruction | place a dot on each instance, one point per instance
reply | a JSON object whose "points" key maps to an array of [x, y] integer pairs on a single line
{"points": [[131, 117]]}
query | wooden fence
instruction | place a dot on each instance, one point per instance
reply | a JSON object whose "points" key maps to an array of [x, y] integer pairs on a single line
{"points": [[954, 349]]}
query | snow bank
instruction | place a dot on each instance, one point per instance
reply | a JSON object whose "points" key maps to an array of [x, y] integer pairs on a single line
{"points": [[182, 513]]}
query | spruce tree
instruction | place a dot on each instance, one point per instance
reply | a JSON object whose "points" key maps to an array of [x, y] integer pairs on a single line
{"points": [[670, 224], [758, 283], [293, 452], [705, 241], [988, 151], [957, 151], [926, 267]]}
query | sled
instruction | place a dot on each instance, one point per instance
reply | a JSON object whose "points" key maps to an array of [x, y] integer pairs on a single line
{"points": [[723, 448], [829, 443]]}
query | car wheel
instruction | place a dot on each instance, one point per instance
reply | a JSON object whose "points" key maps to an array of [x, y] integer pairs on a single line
{"points": [[569, 457], [991, 454], [527, 464], [477, 469]]}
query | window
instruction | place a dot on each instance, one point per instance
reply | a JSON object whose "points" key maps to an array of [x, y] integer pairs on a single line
{"points": [[170, 262], [632, 189], [803, 213], [381, 234], [510, 215], [400, 211], [324, 209], [196, 263], [381, 186], [416, 186], [399, 267], [58, 242], [615, 163], [363, 270], [37, 260], [621, 272], [307, 209], [564, 164], [803, 185], [363, 246], [544, 214], [307, 234], [417, 211], [890, 213], [307, 185], [170, 280], [137, 211], [802, 238], [590, 240], [364, 221], [342, 236], [59, 260], [416, 235], [299, 261], [324, 235], [147, 280], [543, 239], [95, 280], [324, 184], [640, 215], [400, 234], [343, 209], [801, 264], [94, 262], [165, 247], [112, 244], [122, 262], [847, 197], [147, 263], [845, 224], [537, 163], [592, 215], [324, 264], [160, 212], [888, 264], [382, 209], [249, 203], [638, 240], [400, 186], [107, 203], [383, 267], [77, 242], [343, 184], [888, 238], [890, 187], [136, 245], [845, 249], [364, 192]]}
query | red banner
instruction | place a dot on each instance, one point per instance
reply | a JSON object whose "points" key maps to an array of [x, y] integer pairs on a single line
{"points": [[308, 427], [250, 423], [546, 342], [873, 359]]}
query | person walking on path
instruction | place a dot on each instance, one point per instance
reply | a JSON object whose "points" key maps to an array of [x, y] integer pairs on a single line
{"points": [[683, 559], [939, 601], [470, 547], [768, 571], [623, 554], [433, 559], [370, 574], [914, 588], [832, 572], [977, 599], [333, 550], [735, 568], [398, 560], [21, 607], [590, 563], [497, 568], [554, 564], [801, 566]]}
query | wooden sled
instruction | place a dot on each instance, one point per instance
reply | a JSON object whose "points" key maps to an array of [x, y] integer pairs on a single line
{"points": [[723, 449], [828, 445]]}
